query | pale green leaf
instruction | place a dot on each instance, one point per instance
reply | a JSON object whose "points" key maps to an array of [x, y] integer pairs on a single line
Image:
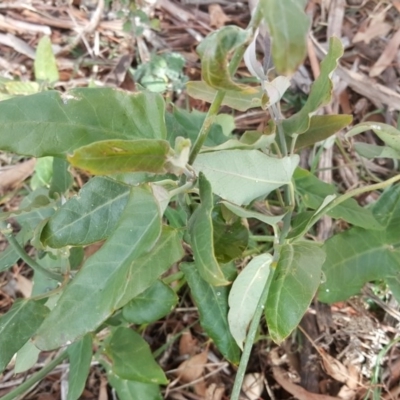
{"points": [[17, 326], [92, 295], [373, 151], [288, 25], [132, 359], [151, 305], [89, 217], [116, 156], [26, 358], [45, 64], [361, 255], [54, 124], [387, 133], [80, 357], [212, 303], [243, 102], [255, 173], [245, 294], [18, 88], [321, 91], [294, 284], [201, 237], [214, 51]]}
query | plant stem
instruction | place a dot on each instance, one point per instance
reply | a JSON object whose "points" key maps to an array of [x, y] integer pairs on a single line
{"points": [[6, 231], [262, 238], [21, 389], [219, 97], [250, 339]]}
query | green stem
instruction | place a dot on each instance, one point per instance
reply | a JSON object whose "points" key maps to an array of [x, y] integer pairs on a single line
{"points": [[250, 339], [21, 389], [262, 238], [6, 231], [219, 97]]}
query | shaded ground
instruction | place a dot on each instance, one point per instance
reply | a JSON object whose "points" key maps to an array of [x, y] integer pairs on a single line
{"points": [[337, 351]]}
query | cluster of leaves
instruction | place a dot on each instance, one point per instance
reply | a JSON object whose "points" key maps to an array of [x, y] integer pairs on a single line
{"points": [[162, 179]]}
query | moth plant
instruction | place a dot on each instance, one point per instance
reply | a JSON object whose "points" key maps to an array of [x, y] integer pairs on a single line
{"points": [[172, 198]]}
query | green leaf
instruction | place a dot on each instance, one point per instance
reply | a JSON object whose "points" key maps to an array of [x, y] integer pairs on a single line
{"points": [[255, 173], [394, 286], [93, 295], [133, 390], [245, 294], [116, 156], [132, 358], [387, 133], [243, 102], [9, 256], [295, 281], [43, 173], [321, 91], [321, 127], [214, 51], [361, 255], [212, 303], [372, 151], [230, 239], [89, 217], [54, 124], [61, 178], [80, 357], [26, 358], [201, 236], [18, 88], [288, 25], [17, 326], [154, 303], [45, 64], [313, 192], [243, 213], [188, 124]]}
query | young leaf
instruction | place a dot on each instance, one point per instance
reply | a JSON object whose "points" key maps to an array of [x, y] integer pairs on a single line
{"points": [[115, 156], [321, 127], [92, 296], [295, 281], [245, 294], [288, 25], [313, 192], [201, 236], [80, 357], [133, 390], [214, 52], [45, 64], [132, 358], [62, 179], [389, 134], [154, 303], [212, 303], [54, 124], [321, 91], [365, 255], [89, 217], [17, 326], [255, 173], [246, 100]]}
